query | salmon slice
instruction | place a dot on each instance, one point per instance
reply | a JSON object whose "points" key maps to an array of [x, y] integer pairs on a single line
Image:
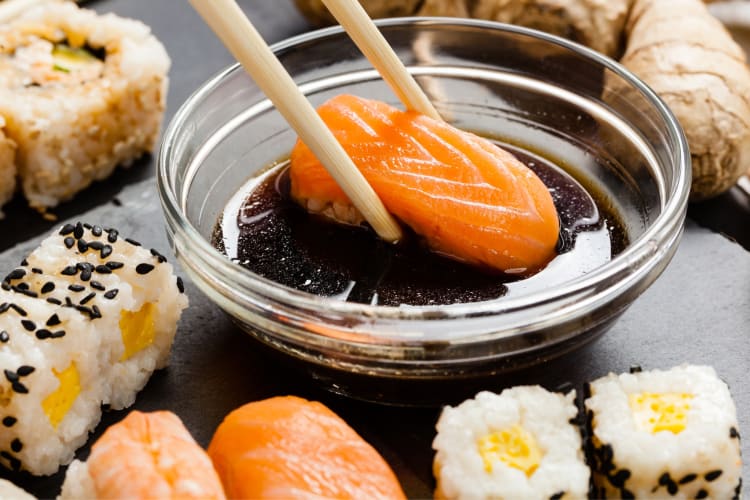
{"points": [[468, 198], [151, 455], [288, 447]]}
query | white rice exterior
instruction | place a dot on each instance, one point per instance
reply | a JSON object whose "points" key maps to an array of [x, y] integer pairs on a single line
{"points": [[707, 444], [7, 167], [460, 470], [70, 135], [9, 491], [44, 287], [78, 482]]}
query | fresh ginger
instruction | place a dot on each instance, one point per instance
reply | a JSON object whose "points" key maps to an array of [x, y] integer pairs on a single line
{"points": [[675, 46]]}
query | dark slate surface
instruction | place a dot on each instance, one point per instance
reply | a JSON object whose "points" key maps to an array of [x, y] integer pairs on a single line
{"points": [[697, 312]]}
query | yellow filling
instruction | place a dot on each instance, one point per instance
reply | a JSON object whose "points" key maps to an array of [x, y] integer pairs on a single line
{"points": [[515, 447], [655, 412], [137, 329], [57, 404]]}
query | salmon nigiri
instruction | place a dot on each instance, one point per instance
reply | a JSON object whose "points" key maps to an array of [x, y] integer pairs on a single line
{"points": [[288, 447], [464, 195], [146, 455]]}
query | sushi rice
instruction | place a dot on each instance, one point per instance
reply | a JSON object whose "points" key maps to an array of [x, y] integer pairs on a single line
{"points": [[81, 93], [519, 444], [664, 434], [84, 321]]}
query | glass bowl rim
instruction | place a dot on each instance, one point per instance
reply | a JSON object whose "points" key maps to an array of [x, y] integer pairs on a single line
{"points": [[660, 230]]}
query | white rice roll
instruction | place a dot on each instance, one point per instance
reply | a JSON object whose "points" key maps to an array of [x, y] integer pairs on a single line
{"points": [[51, 386], [81, 93], [664, 434], [7, 167], [130, 286], [9, 491], [518, 444]]}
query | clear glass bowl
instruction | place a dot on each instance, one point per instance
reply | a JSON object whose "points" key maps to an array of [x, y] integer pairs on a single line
{"points": [[494, 79]]}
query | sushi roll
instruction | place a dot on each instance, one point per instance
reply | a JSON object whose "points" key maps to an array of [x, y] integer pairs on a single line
{"points": [[518, 444], [81, 93], [144, 456], [84, 321], [10, 491], [288, 447], [664, 434], [7, 167]]}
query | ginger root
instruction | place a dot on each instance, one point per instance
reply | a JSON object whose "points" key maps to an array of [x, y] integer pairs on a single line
{"points": [[675, 46]]}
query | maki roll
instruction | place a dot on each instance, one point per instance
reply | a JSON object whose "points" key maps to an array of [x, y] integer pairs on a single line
{"points": [[7, 167], [84, 321], [81, 93], [518, 444], [664, 434], [144, 456]]}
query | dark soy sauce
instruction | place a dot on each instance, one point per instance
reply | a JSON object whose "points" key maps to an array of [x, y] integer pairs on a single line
{"points": [[269, 234]]}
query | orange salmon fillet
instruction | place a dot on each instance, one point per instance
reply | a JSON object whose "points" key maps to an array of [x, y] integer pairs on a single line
{"points": [[464, 195], [152, 455], [288, 447]]}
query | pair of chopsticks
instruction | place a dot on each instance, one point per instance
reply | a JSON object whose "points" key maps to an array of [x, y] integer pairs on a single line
{"points": [[239, 35]]}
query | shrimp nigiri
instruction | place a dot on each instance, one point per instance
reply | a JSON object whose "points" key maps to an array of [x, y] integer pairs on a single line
{"points": [[288, 447], [146, 455], [467, 197]]}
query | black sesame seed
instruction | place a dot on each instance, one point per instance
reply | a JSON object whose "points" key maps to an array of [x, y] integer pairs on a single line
{"points": [[619, 479], [11, 375], [58, 334], [53, 320], [112, 236], [67, 229], [158, 256], [95, 312], [25, 370], [180, 285], [15, 274], [68, 302], [672, 488], [688, 478], [78, 231], [20, 310], [664, 479], [85, 275], [15, 464], [106, 251], [144, 268], [69, 242], [24, 262], [97, 286], [132, 242], [53, 300], [43, 334], [111, 294], [713, 475], [5, 286], [4, 337], [36, 270], [701, 494], [26, 292], [19, 388], [28, 324], [96, 245], [76, 287], [85, 266], [113, 265], [635, 369], [557, 496], [9, 421], [96, 231], [4, 307], [16, 445], [83, 309], [21, 287], [734, 433], [102, 269], [48, 287], [116, 202], [69, 271], [82, 246], [87, 225], [88, 297]]}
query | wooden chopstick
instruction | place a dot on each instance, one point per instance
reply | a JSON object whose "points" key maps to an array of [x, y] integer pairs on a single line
{"points": [[238, 34], [358, 25]]}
